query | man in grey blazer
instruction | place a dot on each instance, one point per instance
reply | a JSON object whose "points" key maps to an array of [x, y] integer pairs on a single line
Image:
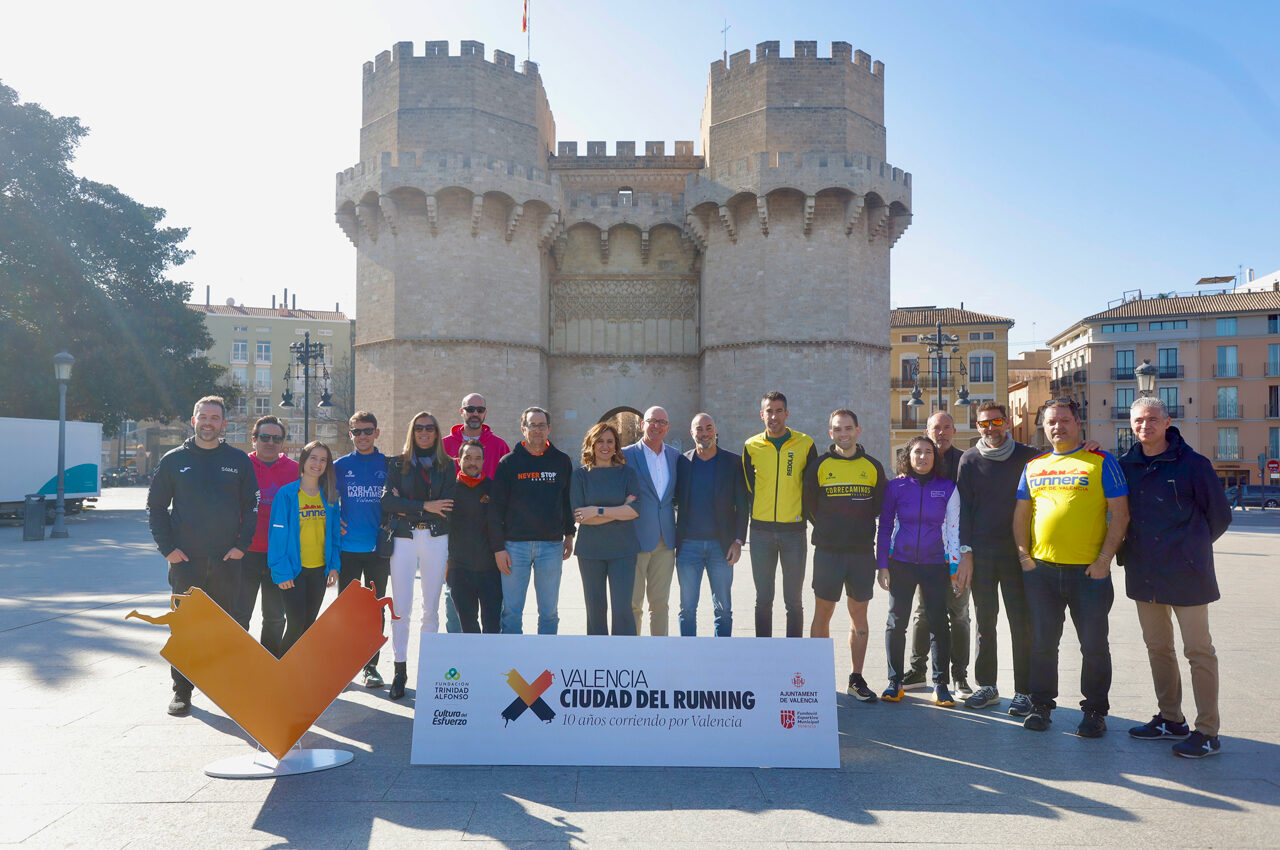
{"points": [[655, 465]]}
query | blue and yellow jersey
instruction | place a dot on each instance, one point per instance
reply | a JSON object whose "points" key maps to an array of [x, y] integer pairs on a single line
{"points": [[311, 523], [1068, 495]]}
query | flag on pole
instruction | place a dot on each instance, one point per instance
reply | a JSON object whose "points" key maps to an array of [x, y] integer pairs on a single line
{"points": [[524, 21]]}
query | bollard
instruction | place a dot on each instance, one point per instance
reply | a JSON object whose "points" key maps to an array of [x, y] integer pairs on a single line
{"points": [[33, 517]]}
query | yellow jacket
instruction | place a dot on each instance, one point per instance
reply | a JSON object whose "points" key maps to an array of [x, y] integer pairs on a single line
{"points": [[775, 478]]}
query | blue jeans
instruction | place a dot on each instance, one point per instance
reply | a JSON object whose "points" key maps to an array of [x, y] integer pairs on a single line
{"points": [[542, 560], [1052, 589], [768, 547], [692, 558]]}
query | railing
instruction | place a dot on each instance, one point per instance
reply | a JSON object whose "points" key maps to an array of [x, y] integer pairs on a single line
{"points": [[926, 382], [1227, 453], [1055, 386], [1066, 381], [1175, 412], [899, 424], [1228, 411], [1273, 369], [1081, 376], [1122, 373], [1174, 371], [1227, 370], [1273, 412]]}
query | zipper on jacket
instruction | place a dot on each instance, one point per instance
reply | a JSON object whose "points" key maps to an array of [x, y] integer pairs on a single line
{"points": [[919, 518], [777, 475]]}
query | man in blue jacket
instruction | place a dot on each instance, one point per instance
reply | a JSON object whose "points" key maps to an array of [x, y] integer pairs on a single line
{"points": [[655, 465], [1177, 508]]}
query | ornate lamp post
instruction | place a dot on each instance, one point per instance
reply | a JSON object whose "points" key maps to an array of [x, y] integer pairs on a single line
{"points": [[304, 354], [1146, 374], [942, 347], [62, 363]]}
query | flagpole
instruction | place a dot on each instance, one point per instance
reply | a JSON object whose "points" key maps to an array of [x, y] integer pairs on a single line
{"points": [[528, 34]]}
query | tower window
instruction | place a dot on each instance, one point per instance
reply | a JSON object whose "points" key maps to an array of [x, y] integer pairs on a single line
{"points": [[625, 197]]}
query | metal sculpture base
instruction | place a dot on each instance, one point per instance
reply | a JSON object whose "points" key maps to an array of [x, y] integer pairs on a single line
{"points": [[263, 765]]}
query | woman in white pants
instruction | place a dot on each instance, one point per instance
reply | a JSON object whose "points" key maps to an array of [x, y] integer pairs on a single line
{"points": [[418, 498]]}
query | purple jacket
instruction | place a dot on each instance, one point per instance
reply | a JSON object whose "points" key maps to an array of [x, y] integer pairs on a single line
{"points": [[919, 522]]}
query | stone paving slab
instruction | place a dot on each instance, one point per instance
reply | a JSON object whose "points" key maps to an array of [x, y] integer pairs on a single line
{"points": [[90, 759]]}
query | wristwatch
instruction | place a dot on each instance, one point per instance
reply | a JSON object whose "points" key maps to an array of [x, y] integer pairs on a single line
{"points": [[965, 550], [599, 511]]}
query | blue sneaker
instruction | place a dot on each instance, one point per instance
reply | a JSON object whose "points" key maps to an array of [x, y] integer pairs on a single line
{"points": [[1160, 729], [1197, 746]]}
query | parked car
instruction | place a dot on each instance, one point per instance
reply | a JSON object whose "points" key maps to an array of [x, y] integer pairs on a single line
{"points": [[1256, 496], [118, 476]]}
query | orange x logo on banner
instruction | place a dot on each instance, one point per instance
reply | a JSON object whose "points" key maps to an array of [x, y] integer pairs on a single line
{"points": [[529, 695]]}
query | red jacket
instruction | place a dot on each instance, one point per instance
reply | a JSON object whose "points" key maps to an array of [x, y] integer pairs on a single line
{"points": [[494, 447], [270, 479]]}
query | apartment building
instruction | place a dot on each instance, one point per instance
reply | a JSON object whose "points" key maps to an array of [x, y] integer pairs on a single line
{"points": [[1029, 376], [978, 366], [1218, 362]]}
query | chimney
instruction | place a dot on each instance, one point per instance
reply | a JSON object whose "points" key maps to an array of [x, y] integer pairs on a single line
{"points": [[273, 302], [336, 307], [1248, 273], [295, 301], [206, 295]]}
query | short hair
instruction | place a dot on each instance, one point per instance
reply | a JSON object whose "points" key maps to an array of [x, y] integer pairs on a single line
{"points": [[269, 419], [1067, 403], [470, 444], [940, 413], [1150, 401], [844, 411], [774, 395], [589, 445], [209, 399], [993, 405], [524, 414], [362, 416], [904, 456]]}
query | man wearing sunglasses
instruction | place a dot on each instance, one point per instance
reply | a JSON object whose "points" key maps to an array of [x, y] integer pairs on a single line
{"points": [[362, 475], [273, 469], [988, 482]]}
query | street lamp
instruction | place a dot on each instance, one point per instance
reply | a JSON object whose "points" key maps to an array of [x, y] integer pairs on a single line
{"points": [[304, 354], [1146, 374], [941, 348], [62, 363]]}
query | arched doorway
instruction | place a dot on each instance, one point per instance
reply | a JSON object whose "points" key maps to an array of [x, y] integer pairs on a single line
{"points": [[628, 422]]}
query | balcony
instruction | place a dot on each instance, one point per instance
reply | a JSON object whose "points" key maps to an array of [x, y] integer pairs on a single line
{"points": [[1228, 411], [1080, 376], [1121, 413], [1122, 373], [1273, 369], [1169, 372], [1055, 386], [1175, 411], [900, 424], [1273, 412], [1066, 381], [1227, 453], [1228, 370]]}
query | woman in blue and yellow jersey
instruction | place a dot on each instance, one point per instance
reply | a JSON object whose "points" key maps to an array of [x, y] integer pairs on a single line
{"points": [[303, 542]]}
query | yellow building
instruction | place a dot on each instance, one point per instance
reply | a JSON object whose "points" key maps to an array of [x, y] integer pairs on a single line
{"points": [[975, 362]]}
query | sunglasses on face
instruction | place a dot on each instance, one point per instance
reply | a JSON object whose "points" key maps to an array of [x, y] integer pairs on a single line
{"points": [[270, 438], [990, 423], [471, 408], [362, 432], [421, 428]]}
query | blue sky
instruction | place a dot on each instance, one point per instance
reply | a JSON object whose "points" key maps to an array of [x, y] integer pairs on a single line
{"points": [[1062, 152]]}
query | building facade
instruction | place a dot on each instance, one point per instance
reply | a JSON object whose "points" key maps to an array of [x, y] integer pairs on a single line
{"points": [[1218, 361], [1029, 376], [492, 258], [982, 349]]}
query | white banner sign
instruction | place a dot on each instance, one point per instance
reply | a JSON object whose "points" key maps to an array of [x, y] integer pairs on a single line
{"points": [[679, 701]]}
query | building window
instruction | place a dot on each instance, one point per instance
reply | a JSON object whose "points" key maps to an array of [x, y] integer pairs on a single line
{"points": [[240, 351], [1124, 440], [1273, 324], [909, 370], [262, 380], [988, 334], [982, 368], [909, 337], [263, 354], [1167, 362], [1273, 403], [626, 197], [1228, 444], [1273, 443], [261, 405], [1169, 395], [1227, 366], [1127, 327], [263, 330], [1124, 366], [241, 405], [1124, 401], [1228, 403], [238, 376], [1273, 360], [325, 332], [975, 335], [237, 432], [1227, 326], [1171, 325]]}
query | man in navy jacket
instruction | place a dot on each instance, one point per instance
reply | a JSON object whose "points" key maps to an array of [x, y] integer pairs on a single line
{"points": [[711, 523], [1177, 508]]}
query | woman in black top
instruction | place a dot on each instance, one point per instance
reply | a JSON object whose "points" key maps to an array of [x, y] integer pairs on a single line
{"points": [[601, 493], [418, 498]]}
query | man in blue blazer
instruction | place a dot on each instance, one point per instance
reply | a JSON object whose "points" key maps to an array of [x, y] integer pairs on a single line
{"points": [[655, 465], [711, 493]]}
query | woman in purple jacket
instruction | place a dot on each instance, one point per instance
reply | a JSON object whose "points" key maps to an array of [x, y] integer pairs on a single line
{"points": [[918, 544]]}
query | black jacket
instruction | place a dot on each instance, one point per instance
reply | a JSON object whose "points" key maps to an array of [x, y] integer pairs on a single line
{"points": [[988, 495], [530, 496], [842, 498], [471, 543], [730, 504], [214, 498], [403, 495], [1177, 508], [950, 466]]}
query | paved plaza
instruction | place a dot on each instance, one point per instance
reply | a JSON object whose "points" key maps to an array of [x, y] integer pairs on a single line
{"points": [[90, 758]]}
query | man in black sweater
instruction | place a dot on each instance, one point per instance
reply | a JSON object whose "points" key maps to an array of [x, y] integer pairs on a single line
{"points": [[203, 509], [474, 582], [529, 512], [988, 484]]}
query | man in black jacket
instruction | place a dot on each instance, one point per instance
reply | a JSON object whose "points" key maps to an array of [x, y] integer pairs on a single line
{"points": [[988, 482], [711, 497], [473, 576], [203, 509], [1177, 508]]}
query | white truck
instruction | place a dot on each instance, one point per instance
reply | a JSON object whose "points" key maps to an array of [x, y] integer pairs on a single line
{"points": [[32, 465]]}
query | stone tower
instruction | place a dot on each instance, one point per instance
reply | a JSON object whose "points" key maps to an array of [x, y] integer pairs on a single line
{"points": [[590, 282]]}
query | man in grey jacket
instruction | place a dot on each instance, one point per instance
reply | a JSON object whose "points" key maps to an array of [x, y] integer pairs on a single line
{"points": [[655, 465]]}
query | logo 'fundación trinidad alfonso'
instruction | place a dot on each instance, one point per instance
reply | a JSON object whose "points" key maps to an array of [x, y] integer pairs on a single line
{"points": [[529, 696], [452, 675]]}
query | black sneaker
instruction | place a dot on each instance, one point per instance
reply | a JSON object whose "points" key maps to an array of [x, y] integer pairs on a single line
{"points": [[914, 680], [858, 688], [962, 686], [1038, 720], [1160, 729], [1020, 705], [180, 705], [1197, 746], [1093, 725], [942, 696]]}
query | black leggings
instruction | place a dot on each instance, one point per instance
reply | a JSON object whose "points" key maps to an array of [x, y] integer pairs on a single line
{"points": [[302, 604]]}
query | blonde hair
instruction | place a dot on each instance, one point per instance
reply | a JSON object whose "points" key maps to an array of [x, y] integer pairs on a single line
{"points": [[438, 458]]}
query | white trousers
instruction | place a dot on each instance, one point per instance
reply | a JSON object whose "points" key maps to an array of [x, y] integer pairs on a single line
{"points": [[430, 556]]}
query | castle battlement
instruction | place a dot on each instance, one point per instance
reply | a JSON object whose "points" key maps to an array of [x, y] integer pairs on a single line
{"points": [[808, 172], [597, 156], [803, 51], [437, 51], [465, 166]]}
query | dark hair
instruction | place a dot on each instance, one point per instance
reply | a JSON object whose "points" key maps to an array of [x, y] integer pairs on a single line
{"points": [[774, 395], [589, 445], [328, 482], [993, 405], [1068, 403], [903, 464], [844, 411], [524, 413], [469, 444], [362, 416], [269, 419]]}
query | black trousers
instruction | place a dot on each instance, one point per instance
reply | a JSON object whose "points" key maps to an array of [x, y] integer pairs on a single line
{"points": [[997, 574], [219, 579], [302, 604], [366, 567], [477, 591], [934, 581], [254, 575]]}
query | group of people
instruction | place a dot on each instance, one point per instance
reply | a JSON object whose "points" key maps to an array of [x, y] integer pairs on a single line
{"points": [[479, 521]]}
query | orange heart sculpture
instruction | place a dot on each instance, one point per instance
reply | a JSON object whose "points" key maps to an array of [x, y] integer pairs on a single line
{"points": [[274, 700]]}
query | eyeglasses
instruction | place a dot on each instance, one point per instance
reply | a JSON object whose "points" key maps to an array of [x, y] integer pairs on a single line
{"points": [[536, 426], [269, 438], [662, 422], [990, 423], [421, 428], [471, 408], [362, 432]]}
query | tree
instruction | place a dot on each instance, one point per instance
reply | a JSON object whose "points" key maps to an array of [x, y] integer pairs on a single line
{"points": [[83, 268]]}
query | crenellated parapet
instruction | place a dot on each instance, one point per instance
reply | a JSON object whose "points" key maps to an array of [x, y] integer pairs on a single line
{"points": [[402, 54], [567, 156]]}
